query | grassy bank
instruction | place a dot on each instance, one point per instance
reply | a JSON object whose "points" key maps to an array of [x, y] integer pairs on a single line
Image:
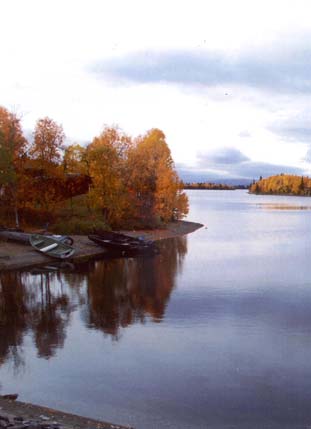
{"points": [[73, 216]]}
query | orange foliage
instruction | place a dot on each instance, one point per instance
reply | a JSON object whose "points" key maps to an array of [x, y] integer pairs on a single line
{"points": [[283, 184], [135, 181], [75, 161], [107, 159], [12, 156], [154, 181], [132, 183]]}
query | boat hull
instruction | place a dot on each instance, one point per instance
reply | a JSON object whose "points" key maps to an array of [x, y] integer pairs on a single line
{"points": [[122, 244], [51, 247]]}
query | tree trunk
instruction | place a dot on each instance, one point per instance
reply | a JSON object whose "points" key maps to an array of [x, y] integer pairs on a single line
{"points": [[16, 217]]}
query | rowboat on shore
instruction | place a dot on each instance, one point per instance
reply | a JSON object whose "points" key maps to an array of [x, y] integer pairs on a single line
{"points": [[50, 246], [123, 244]]}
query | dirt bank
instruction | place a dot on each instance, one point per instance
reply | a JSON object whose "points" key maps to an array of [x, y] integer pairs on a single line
{"points": [[20, 415], [15, 256], [173, 229]]}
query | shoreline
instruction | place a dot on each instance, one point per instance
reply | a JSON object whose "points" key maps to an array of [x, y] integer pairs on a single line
{"points": [[24, 415], [17, 256], [280, 194]]}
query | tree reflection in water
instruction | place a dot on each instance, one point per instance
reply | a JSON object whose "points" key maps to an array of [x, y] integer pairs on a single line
{"points": [[110, 294], [124, 291], [50, 317], [35, 305], [13, 317]]}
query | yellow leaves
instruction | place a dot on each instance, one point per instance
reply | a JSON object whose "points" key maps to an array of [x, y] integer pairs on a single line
{"points": [[283, 184], [154, 177], [75, 160], [106, 156], [48, 141], [135, 181], [12, 141]]}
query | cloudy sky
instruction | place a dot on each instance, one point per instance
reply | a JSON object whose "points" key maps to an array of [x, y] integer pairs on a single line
{"points": [[229, 82]]}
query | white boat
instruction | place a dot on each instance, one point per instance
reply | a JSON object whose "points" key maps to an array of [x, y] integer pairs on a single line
{"points": [[51, 246]]}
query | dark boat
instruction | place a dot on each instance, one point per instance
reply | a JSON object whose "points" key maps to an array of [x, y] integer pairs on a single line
{"points": [[123, 244]]}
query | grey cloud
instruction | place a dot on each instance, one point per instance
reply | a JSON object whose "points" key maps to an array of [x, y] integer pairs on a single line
{"points": [[302, 134], [282, 69], [190, 174], [226, 155], [238, 174], [251, 169], [231, 165], [297, 128]]}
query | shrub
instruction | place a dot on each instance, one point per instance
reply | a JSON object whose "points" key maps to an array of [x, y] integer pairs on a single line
{"points": [[79, 226]]}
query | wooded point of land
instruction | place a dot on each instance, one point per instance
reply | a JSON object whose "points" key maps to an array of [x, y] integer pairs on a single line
{"points": [[283, 184], [114, 181]]}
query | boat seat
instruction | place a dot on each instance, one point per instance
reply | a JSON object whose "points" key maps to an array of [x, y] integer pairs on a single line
{"points": [[49, 247]]}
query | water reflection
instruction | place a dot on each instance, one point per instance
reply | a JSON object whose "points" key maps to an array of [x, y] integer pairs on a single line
{"points": [[109, 294], [49, 316], [122, 292], [229, 347], [13, 317], [31, 304], [280, 206]]}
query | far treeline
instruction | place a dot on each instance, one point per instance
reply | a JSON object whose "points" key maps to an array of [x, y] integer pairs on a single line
{"points": [[283, 184], [213, 186], [115, 181]]}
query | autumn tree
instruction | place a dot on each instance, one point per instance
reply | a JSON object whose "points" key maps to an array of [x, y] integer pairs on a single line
{"points": [[46, 153], [283, 184], [107, 158], [12, 155], [154, 180], [75, 160], [77, 172], [48, 143]]}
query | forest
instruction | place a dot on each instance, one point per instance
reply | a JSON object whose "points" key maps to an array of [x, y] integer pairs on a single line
{"points": [[209, 186], [283, 184], [115, 181]]}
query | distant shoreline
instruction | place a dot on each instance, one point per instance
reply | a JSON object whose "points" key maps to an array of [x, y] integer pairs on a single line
{"points": [[211, 189], [17, 256], [216, 188], [280, 194]]}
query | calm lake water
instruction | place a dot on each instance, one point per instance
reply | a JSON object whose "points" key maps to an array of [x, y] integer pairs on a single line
{"points": [[214, 332]]}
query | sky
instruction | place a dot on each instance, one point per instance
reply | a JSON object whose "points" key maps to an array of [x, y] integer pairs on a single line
{"points": [[228, 82]]}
